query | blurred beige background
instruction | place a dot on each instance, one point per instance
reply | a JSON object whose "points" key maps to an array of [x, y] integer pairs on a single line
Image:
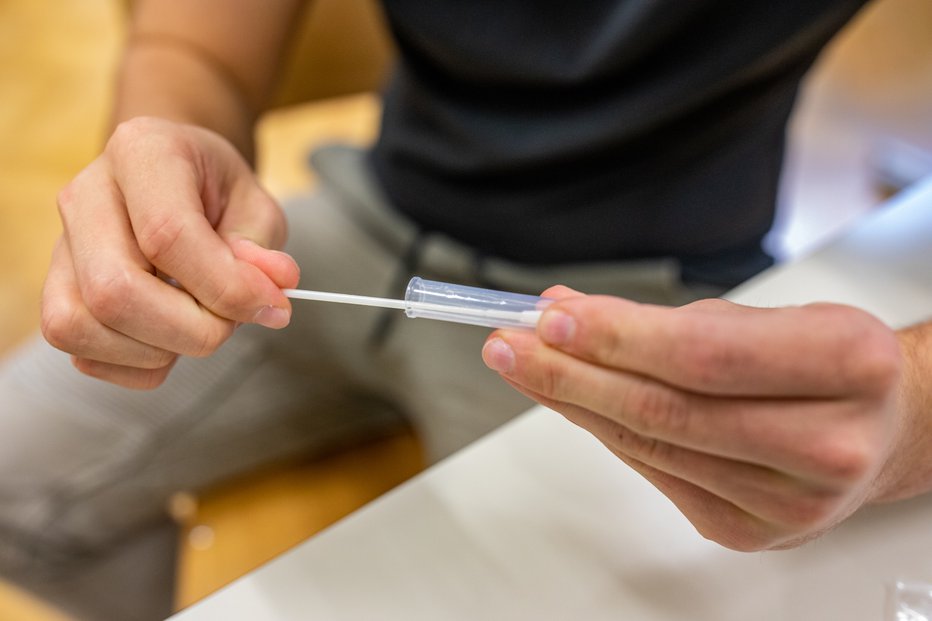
{"points": [[56, 63]]}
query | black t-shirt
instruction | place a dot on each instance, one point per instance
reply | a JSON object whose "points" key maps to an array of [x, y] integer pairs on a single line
{"points": [[547, 131]]}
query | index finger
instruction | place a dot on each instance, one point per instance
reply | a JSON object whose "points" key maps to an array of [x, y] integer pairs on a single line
{"points": [[167, 211], [717, 347]]}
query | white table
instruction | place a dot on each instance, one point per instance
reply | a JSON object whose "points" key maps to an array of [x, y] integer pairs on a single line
{"points": [[538, 521]]}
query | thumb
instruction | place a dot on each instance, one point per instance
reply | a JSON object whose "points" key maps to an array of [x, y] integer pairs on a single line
{"points": [[254, 227], [280, 267], [560, 292]]}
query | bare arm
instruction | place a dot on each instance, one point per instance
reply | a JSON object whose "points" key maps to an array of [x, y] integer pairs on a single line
{"points": [[211, 63], [173, 194]]}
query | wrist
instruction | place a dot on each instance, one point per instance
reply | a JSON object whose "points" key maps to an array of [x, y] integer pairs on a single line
{"points": [[172, 82], [908, 470]]}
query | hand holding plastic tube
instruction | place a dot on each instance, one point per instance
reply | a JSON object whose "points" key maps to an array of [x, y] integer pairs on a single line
{"points": [[766, 427]]}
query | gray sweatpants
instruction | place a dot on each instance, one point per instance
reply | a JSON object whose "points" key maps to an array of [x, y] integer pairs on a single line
{"points": [[86, 467]]}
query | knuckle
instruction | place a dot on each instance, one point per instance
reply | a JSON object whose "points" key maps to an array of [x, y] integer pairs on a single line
{"points": [[137, 379], [94, 369], [87, 367], [60, 325], [137, 132], [549, 380], [151, 379], [108, 295], [147, 141], [608, 345], [205, 346], [746, 541], [645, 448], [744, 532], [209, 340], [868, 351], [154, 358], [738, 531], [879, 363], [129, 130], [737, 540], [808, 513], [159, 238], [228, 300], [713, 305], [65, 199], [230, 297], [128, 136], [846, 459], [654, 411]]}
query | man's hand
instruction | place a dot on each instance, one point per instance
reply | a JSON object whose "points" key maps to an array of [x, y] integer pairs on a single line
{"points": [[164, 200], [766, 427]]}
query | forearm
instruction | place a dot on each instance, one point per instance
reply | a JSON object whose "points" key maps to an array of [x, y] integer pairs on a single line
{"points": [[909, 469], [207, 62], [160, 79]]}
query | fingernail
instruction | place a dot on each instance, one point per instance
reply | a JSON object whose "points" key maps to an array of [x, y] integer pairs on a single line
{"points": [[498, 356], [272, 317], [556, 327]]}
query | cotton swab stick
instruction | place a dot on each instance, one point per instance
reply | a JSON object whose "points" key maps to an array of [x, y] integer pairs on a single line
{"points": [[344, 298]]}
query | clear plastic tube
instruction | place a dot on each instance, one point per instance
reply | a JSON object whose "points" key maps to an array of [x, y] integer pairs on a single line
{"points": [[445, 301], [472, 305]]}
